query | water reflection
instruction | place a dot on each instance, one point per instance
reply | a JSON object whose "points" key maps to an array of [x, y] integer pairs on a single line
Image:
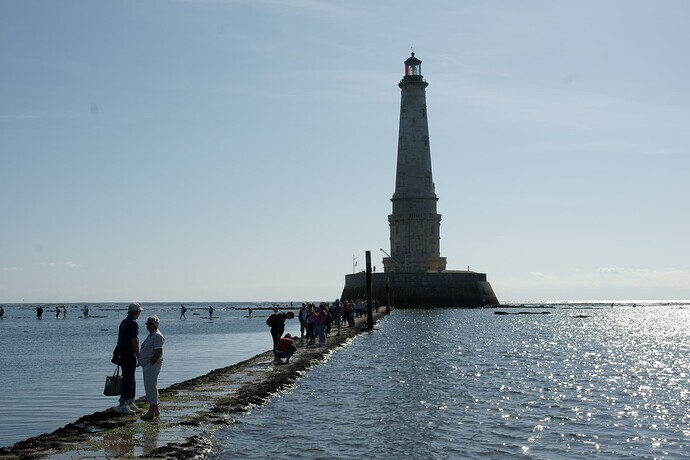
{"points": [[459, 383], [119, 443]]}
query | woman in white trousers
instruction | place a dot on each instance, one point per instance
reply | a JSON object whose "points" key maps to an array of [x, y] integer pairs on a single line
{"points": [[151, 359]]}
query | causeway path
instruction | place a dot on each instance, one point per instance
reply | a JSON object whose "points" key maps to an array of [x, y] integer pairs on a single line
{"points": [[191, 411]]}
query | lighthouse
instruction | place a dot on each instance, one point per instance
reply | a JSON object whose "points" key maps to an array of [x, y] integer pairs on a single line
{"points": [[414, 223], [415, 274]]}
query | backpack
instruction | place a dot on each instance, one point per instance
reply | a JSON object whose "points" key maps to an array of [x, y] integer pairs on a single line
{"points": [[269, 320]]}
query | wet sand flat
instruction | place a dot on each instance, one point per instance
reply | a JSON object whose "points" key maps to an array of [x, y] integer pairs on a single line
{"points": [[190, 411]]}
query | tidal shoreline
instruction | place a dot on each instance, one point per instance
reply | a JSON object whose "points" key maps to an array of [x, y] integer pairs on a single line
{"points": [[190, 411]]}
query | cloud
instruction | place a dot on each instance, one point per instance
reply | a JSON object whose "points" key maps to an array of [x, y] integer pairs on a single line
{"points": [[70, 264]]}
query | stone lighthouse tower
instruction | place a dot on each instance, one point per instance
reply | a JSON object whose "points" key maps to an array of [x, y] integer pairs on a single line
{"points": [[415, 274], [414, 223]]}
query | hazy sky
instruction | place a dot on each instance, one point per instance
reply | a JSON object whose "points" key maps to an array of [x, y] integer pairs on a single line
{"points": [[230, 150]]}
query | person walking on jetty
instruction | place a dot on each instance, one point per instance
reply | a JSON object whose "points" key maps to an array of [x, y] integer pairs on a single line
{"points": [[311, 330], [302, 316], [151, 359], [183, 310], [277, 323], [320, 324], [128, 340], [337, 314], [284, 350]]}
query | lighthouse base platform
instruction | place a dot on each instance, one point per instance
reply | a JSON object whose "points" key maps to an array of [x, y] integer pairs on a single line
{"points": [[444, 289]]}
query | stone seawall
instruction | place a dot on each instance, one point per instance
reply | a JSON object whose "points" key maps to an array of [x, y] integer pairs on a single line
{"points": [[446, 289]]}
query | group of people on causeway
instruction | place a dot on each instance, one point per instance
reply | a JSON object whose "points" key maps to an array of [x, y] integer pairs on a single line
{"points": [[314, 323], [318, 322]]}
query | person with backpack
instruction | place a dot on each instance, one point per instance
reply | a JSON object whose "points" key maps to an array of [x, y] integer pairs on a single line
{"points": [[277, 324]]}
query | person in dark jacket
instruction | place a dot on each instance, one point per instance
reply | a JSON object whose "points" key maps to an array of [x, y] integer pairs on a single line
{"points": [[277, 323], [128, 341]]}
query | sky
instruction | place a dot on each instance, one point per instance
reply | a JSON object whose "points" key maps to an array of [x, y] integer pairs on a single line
{"points": [[245, 150]]}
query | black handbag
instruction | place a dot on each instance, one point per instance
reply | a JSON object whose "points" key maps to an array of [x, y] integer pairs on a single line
{"points": [[118, 357], [113, 384]]}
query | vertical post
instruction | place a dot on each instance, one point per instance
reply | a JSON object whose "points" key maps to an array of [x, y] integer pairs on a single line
{"points": [[370, 315], [388, 295]]}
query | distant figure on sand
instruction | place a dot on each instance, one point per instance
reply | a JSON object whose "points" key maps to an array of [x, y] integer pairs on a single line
{"points": [[249, 311], [285, 349], [2, 312], [151, 359], [128, 340], [39, 312], [183, 310], [210, 312], [57, 312], [86, 311], [64, 312]]}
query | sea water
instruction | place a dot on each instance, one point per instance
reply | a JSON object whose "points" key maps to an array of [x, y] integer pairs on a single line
{"points": [[581, 380], [52, 371]]}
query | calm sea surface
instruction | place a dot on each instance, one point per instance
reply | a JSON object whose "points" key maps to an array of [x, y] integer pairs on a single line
{"points": [[426, 384], [453, 384], [52, 371]]}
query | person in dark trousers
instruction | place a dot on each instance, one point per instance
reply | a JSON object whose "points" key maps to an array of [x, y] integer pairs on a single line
{"points": [[277, 323], [128, 341]]}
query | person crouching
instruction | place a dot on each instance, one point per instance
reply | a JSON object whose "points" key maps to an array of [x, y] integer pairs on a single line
{"points": [[284, 350]]}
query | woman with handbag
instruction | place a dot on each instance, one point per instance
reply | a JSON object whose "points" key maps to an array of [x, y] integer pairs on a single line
{"points": [[151, 359]]}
